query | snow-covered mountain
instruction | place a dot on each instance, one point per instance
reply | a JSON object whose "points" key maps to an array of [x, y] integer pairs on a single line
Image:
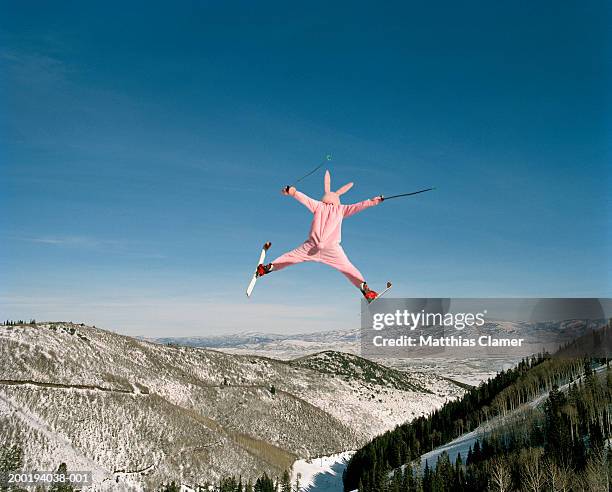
{"points": [[279, 346], [138, 413], [289, 346]]}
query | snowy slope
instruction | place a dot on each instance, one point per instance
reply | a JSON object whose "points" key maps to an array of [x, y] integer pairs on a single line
{"points": [[322, 474], [463, 443], [140, 413]]}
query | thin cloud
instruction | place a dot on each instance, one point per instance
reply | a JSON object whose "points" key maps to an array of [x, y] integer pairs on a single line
{"points": [[28, 67], [74, 241], [116, 246]]}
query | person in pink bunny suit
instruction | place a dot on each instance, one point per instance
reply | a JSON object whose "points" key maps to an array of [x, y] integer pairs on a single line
{"points": [[323, 243]]}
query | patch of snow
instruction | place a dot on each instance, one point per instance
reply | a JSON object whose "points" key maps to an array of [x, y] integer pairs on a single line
{"points": [[323, 474]]}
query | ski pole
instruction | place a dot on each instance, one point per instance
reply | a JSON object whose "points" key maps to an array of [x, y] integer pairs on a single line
{"points": [[328, 158], [406, 194]]}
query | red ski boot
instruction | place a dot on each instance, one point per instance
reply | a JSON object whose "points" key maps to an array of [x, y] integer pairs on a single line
{"points": [[264, 269], [369, 294]]}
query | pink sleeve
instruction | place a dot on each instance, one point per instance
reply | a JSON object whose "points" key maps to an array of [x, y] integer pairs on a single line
{"points": [[358, 207], [305, 200]]}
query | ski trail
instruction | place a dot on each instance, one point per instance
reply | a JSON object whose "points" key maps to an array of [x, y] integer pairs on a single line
{"points": [[40, 384], [465, 441]]}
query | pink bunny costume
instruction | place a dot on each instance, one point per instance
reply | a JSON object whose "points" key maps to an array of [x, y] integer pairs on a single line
{"points": [[323, 243]]}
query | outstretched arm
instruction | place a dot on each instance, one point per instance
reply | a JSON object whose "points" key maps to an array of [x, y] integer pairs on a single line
{"points": [[305, 200], [358, 207]]}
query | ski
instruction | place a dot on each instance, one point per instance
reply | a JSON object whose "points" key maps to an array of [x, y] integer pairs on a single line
{"points": [[389, 285], [262, 257]]}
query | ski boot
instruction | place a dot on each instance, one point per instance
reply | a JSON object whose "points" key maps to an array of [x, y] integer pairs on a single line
{"points": [[264, 269], [368, 294]]}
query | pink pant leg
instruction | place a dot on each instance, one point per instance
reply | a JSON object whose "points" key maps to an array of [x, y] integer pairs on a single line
{"points": [[304, 252], [335, 257]]}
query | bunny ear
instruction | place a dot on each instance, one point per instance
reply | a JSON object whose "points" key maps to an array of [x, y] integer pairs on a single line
{"points": [[342, 190], [327, 182]]}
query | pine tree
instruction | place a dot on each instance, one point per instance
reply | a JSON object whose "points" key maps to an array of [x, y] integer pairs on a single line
{"points": [[459, 475], [408, 481], [477, 455], [596, 437], [59, 486], [265, 484], [286, 482], [229, 485], [443, 475], [558, 439], [427, 478]]}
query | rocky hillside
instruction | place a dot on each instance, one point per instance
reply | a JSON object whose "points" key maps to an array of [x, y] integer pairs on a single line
{"points": [[139, 413]]}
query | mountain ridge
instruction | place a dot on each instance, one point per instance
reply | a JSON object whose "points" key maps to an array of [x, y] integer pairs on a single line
{"points": [[144, 412]]}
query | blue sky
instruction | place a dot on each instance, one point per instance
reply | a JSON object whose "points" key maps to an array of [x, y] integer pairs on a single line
{"points": [[143, 147]]}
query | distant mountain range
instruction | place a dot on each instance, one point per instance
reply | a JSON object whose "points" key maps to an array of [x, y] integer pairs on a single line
{"points": [[280, 346], [287, 346], [470, 367]]}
